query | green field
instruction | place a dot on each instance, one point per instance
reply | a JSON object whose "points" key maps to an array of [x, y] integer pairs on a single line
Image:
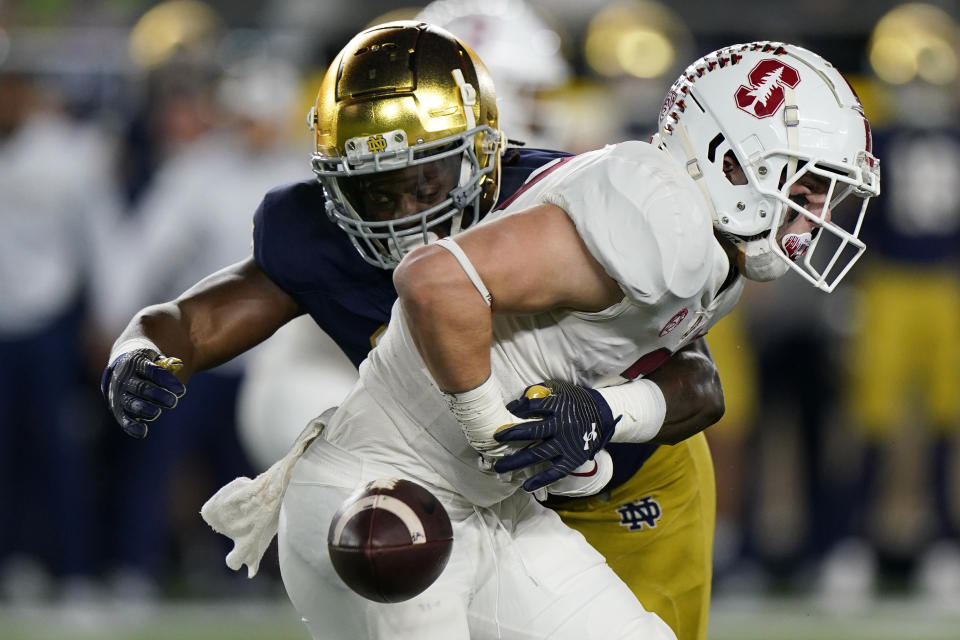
{"points": [[741, 619]]}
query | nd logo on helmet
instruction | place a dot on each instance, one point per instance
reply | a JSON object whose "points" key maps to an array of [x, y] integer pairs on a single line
{"points": [[376, 144], [764, 96]]}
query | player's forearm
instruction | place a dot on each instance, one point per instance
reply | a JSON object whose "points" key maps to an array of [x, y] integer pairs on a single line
{"points": [[200, 341], [220, 317], [163, 327]]}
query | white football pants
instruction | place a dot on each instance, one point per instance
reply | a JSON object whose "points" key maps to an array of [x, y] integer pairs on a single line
{"points": [[516, 571]]}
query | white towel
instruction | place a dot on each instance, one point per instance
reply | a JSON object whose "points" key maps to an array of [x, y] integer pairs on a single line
{"points": [[248, 511]]}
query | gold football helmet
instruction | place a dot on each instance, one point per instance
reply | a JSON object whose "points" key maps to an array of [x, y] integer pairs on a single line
{"points": [[407, 140]]}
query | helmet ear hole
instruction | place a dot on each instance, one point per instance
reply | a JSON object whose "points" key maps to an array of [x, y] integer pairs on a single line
{"points": [[733, 169], [712, 147]]}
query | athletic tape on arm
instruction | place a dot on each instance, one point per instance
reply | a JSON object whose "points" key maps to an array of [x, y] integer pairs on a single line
{"points": [[643, 407], [131, 345]]}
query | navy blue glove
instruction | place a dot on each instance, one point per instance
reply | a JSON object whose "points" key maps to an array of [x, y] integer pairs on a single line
{"points": [[137, 387], [574, 424]]}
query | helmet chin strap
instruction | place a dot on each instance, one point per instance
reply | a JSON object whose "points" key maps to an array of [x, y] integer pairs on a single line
{"points": [[455, 222], [468, 95], [693, 166], [791, 119], [758, 262]]}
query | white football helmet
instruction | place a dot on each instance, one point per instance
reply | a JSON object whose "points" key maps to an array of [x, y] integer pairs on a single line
{"points": [[521, 50], [783, 112]]}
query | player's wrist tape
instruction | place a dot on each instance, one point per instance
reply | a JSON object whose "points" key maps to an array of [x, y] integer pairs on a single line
{"points": [[480, 412], [643, 407], [132, 344]]}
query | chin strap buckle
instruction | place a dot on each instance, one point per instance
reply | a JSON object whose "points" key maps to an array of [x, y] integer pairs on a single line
{"points": [[469, 96]]}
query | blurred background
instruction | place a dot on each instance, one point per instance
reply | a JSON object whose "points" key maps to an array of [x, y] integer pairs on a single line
{"points": [[136, 140]]}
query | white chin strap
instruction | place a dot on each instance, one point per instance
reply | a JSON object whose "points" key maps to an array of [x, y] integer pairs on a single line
{"points": [[468, 94], [693, 167], [761, 263], [791, 119]]}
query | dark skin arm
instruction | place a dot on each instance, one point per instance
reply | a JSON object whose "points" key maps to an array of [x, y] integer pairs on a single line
{"points": [[217, 319], [691, 384]]}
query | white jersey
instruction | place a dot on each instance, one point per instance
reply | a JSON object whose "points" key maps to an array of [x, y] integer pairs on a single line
{"points": [[644, 220]]}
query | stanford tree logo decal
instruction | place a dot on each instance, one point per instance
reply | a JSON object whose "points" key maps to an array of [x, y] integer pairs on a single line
{"points": [[764, 96]]}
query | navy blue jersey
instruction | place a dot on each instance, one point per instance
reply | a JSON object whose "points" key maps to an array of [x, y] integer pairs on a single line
{"points": [[306, 255]]}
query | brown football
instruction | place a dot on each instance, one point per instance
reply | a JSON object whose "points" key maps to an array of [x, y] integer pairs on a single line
{"points": [[390, 540]]}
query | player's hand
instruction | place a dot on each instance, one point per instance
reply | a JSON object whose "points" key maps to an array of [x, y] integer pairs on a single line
{"points": [[138, 385], [574, 424]]}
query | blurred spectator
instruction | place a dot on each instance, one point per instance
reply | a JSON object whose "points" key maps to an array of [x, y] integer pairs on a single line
{"points": [[791, 507], [194, 218], [522, 52], [777, 512], [178, 109], [732, 349], [905, 363], [56, 212]]}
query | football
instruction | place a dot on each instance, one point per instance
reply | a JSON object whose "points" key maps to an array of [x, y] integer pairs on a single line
{"points": [[390, 540]]}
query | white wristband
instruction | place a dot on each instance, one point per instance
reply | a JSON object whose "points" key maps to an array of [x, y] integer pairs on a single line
{"points": [[480, 412], [643, 407], [132, 344]]}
